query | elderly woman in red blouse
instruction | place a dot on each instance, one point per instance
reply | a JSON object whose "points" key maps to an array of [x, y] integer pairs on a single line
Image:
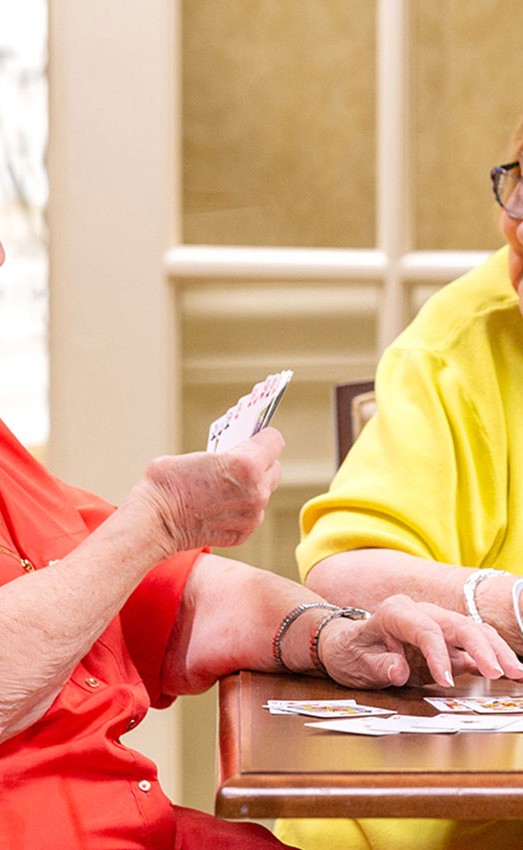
{"points": [[105, 612]]}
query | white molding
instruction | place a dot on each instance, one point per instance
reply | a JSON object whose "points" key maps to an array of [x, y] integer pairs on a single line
{"points": [[439, 265], [393, 191], [211, 371], [237, 264], [212, 262]]}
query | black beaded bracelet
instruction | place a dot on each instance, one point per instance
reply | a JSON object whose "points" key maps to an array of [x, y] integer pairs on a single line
{"points": [[351, 614], [286, 622]]}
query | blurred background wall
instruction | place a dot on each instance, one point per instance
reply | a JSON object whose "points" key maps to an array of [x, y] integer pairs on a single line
{"points": [[237, 188]]}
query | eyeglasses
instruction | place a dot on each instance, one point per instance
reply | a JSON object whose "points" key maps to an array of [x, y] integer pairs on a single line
{"points": [[507, 184]]}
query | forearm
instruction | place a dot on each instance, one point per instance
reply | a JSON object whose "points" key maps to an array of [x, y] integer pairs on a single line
{"points": [[51, 618], [365, 577], [368, 576], [228, 617]]}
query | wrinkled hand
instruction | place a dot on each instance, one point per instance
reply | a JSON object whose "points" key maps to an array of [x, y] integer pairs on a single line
{"points": [[411, 642], [204, 499]]}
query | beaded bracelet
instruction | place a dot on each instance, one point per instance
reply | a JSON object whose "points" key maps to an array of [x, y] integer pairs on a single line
{"points": [[351, 614], [469, 590], [286, 622]]}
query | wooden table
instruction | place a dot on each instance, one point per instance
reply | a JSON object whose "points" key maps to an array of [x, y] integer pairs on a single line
{"points": [[275, 766]]}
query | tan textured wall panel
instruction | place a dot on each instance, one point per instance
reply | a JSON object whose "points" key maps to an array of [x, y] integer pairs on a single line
{"points": [[279, 110], [467, 64]]}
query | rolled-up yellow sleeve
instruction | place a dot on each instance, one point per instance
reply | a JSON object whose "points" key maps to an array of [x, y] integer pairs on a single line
{"points": [[428, 475]]}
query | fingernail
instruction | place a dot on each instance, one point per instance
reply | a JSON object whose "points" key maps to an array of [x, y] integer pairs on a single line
{"points": [[389, 671], [448, 678]]}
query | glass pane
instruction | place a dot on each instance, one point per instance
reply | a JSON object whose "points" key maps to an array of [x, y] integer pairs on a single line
{"points": [[279, 122], [23, 194], [466, 63]]}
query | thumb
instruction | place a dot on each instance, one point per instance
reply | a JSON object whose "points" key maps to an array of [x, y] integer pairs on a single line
{"points": [[396, 670]]}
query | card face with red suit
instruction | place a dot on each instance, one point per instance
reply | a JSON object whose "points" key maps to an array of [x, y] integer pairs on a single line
{"points": [[250, 414]]}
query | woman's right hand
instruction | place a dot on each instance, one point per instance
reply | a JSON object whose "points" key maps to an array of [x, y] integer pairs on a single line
{"points": [[204, 499], [413, 642]]}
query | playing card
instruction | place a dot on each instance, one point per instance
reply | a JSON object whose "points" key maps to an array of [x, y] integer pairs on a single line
{"points": [[355, 726], [324, 708], [249, 415], [406, 723], [487, 723], [447, 704], [281, 706], [495, 705]]}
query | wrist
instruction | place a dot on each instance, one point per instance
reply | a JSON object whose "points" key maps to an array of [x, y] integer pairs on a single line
{"points": [[495, 606], [290, 643], [470, 589], [317, 633], [145, 525]]}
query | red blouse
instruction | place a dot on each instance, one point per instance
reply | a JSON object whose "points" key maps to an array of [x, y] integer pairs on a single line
{"points": [[68, 782]]}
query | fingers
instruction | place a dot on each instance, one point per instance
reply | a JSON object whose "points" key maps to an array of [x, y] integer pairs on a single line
{"points": [[207, 499], [247, 477], [263, 450], [486, 649], [398, 671], [449, 642], [404, 641], [378, 668], [254, 466], [383, 669], [361, 655], [256, 460], [406, 621]]}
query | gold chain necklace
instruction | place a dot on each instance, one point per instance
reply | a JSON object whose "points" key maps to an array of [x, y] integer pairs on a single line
{"points": [[24, 562]]}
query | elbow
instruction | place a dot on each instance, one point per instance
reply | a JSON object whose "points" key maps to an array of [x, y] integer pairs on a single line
{"points": [[322, 577]]}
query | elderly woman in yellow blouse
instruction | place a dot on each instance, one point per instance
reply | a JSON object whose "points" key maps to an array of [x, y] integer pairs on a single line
{"points": [[430, 499]]}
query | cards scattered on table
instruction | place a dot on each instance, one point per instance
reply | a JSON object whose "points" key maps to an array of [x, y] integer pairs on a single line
{"points": [[478, 714], [250, 414], [324, 708]]}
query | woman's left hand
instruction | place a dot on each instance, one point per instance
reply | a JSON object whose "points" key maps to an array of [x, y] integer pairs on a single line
{"points": [[413, 642]]}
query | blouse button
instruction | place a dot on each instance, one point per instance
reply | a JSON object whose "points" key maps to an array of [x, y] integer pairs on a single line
{"points": [[92, 682], [132, 723], [144, 785]]}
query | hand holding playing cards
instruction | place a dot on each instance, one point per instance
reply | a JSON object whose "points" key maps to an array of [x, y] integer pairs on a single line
{"points": [[204, 499], [414, 642]]}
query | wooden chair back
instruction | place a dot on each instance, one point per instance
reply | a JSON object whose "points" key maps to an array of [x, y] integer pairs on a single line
{"points": [[354, 404]]}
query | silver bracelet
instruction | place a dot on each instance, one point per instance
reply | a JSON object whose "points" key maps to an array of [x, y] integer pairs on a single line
{"points": [[516, 589], [469, 590], [286, 622]]}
